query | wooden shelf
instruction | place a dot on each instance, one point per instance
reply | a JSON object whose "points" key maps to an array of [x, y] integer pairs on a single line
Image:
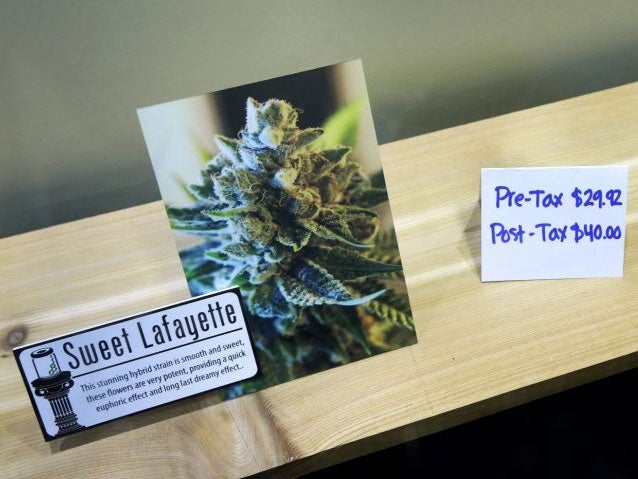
{"points": [[482, 347]]}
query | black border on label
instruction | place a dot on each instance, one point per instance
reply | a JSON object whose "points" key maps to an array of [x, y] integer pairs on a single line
{"points": [[16, 353]]}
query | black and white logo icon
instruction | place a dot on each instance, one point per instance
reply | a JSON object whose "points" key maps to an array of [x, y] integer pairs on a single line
{"points": [[54, 384]]}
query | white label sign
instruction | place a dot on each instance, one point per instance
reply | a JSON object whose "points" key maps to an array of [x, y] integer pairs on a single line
{"points": [[550, 223], [120, 368]]}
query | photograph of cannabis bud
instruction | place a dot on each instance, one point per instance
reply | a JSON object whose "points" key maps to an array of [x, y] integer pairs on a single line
{"points": [[294, 222]]}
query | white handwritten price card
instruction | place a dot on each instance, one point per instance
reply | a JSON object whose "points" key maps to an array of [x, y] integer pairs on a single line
{"points": [[551, 223]]}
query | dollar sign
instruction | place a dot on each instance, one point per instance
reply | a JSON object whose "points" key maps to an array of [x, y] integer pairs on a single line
{"points": [[576, 194]]}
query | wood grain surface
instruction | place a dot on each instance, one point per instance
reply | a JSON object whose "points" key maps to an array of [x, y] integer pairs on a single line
{"points": [[481, 347]]}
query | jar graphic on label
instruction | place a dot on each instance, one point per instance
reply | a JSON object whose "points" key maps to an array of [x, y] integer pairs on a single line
{"points": [[54, 384]]}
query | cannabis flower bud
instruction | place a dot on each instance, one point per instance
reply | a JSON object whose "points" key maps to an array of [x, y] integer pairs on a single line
{"points": [[289, 223]]}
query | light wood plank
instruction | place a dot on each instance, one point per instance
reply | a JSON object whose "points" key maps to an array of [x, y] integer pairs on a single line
{"points": [[482, 347]]}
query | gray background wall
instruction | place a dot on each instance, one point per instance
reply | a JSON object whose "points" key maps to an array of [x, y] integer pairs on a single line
{"points": [[72, 74]]}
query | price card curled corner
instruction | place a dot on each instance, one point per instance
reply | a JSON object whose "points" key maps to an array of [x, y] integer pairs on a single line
{"points": [[120, 368], [551, 223]]}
